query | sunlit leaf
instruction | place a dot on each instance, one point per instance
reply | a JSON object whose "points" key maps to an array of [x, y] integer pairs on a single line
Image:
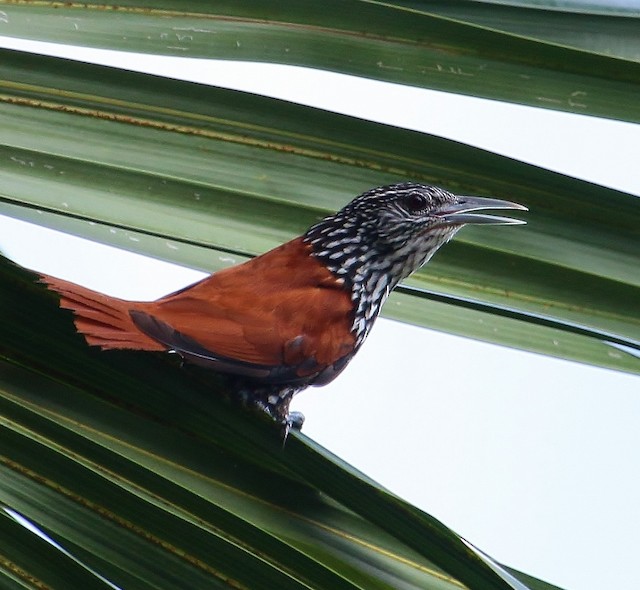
{"points": [[164, 165], [550, 59]]}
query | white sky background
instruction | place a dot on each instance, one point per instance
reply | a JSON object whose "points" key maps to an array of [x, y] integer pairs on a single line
{"points": [[532, 459]]}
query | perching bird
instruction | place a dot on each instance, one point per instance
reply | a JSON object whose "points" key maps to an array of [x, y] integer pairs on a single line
{"points": [[296, 315]]}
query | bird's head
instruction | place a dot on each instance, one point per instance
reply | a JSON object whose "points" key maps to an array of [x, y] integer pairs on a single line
{"points": [[397, 228]]}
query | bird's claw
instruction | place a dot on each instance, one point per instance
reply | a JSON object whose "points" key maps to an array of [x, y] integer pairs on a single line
{"points": [[293, 420], [176, 354]]}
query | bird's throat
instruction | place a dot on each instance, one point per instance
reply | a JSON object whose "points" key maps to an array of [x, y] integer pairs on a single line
{"points": [[370, 268], [366, 269]]}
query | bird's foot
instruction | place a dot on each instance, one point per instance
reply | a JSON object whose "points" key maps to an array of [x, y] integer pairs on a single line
{"points": [[279, 413], [273, 401], [177, 357], [292, 421], [288, 421], [295, 420]]}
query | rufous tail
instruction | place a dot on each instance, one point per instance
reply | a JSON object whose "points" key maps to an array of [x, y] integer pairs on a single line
{"points": [[103, 320]]}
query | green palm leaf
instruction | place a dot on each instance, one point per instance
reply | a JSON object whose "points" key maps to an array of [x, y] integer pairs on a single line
{"points": [[129, 462], [541, 58], [240, 174], [142, 471]]}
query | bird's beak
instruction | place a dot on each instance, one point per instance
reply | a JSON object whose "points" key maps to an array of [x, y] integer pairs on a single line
{"points": [[459, 213]]}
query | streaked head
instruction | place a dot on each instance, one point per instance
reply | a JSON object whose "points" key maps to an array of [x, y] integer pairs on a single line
{"points": [[404, 224], [410, 211]]}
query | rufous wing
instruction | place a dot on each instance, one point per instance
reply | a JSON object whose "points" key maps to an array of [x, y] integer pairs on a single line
{"points": [[280, 317]]}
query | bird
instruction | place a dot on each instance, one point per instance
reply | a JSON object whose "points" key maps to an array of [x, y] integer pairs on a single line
{"points": [[296, 315]]}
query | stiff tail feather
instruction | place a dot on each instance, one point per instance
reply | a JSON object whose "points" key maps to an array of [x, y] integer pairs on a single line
{"points": [[103, 320]]}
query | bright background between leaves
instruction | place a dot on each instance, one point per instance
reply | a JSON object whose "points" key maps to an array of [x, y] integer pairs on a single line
{"points": [[528, 457]]}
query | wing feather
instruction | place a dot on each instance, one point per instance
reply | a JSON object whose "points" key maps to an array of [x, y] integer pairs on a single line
{"points": [[283, 311]]}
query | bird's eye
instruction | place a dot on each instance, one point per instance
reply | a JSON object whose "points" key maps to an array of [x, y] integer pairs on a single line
{"points": [[416, 202]]}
